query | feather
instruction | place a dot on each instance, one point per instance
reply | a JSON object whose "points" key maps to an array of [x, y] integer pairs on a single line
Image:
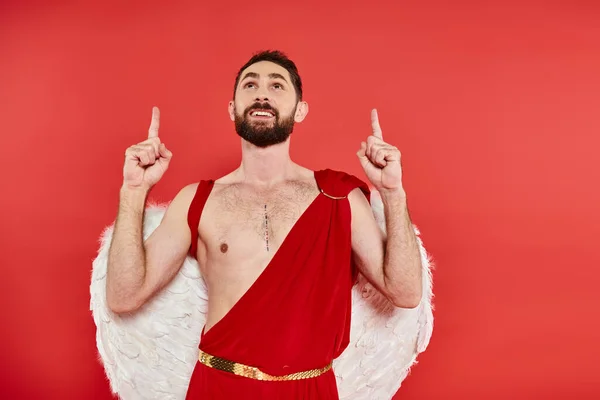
{"points": [[151, 353]]}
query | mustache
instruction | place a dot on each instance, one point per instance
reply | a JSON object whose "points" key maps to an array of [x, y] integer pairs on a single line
{"points": [[261, 106]]}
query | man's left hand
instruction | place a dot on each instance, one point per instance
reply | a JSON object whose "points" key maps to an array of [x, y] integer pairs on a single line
{"points": [[381, 161]]}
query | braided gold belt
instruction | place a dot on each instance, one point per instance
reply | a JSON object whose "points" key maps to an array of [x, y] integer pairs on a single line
{"points": [[255, 373]]}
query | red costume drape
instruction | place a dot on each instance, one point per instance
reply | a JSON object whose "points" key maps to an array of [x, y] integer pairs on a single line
{"points": [[296, 316]]}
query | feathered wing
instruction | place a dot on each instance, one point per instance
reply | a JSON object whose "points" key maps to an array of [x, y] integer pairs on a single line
{"points": [[151, 354], [384, 340]]}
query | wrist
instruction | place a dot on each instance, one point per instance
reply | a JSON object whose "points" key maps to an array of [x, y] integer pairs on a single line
{"points": [[134, 193], [394, 199], [126, 188], [393, 194]]}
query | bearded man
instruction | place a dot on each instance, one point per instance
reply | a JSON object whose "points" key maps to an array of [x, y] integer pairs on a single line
{"points": [[279, 245]]}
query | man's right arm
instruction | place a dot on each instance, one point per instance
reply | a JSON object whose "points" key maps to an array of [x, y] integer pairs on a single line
{"points": [[137, 269]]}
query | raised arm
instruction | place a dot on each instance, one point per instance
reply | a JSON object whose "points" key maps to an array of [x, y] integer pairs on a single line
{"points": [[136, 269], [393, 263]]}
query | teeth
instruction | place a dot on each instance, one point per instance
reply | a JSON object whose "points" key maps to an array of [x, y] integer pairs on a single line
{"points": [[261, 113]]}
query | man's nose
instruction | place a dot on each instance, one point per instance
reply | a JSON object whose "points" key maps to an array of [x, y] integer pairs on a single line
{"points": [[262, 94]]}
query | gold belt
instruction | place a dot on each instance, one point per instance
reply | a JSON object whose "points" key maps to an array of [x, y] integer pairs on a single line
{"points": [[253, 372]]}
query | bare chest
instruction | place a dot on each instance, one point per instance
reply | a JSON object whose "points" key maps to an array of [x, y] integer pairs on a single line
{"points": [[241, 230], [239, 234]]}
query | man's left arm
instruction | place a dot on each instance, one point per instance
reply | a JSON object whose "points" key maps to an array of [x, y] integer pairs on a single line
{"points": [[391, 262]]}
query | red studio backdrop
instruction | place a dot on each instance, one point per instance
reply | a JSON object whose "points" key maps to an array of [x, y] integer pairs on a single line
{"points": [[494, 106]]}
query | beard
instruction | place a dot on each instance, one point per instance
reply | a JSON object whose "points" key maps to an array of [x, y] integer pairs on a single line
{"points": [[262, 133]]}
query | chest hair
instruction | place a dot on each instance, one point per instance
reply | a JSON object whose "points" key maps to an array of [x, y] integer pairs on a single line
{"points": [[267, 215]]}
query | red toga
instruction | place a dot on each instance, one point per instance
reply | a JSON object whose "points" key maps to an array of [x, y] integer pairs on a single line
{"points": [[296, 315]]}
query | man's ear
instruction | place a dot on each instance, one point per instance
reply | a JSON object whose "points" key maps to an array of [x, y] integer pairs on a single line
{"points": [[301, 111], [231, 110]]}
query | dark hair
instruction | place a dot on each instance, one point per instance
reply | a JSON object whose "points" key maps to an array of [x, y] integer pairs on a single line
{"points": [[276, 57]]}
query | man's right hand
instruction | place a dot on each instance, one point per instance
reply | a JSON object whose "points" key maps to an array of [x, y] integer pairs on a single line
{"points": [[147, 161]]}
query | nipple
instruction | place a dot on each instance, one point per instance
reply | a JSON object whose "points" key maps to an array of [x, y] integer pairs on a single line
{"points": [[224, 247]]}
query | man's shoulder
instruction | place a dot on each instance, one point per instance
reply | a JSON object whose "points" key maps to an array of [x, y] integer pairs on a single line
{"points": [[184, 196], [189, 190], [339, 183]]}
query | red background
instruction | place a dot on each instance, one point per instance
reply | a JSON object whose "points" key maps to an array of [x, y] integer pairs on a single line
{"points": [[494, 106]]}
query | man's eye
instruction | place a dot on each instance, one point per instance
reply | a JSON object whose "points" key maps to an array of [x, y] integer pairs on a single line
{"points": [[249, 85], [278, 86]]}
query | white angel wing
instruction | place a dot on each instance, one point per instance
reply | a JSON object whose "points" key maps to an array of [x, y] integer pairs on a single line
{"points": [[150, 354], [384, 340]]}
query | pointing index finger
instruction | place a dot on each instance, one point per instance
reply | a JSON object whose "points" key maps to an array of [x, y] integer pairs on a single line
{"points": [[375, 124], [154, 123]]}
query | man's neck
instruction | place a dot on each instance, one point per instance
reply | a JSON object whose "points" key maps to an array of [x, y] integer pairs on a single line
{"points": [[265, 167]]}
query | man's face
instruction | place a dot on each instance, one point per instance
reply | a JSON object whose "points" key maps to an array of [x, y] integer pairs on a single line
{"points": [[265, 107]]}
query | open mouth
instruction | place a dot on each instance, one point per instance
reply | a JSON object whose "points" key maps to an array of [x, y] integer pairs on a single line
{"points": [[262, 114]]}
